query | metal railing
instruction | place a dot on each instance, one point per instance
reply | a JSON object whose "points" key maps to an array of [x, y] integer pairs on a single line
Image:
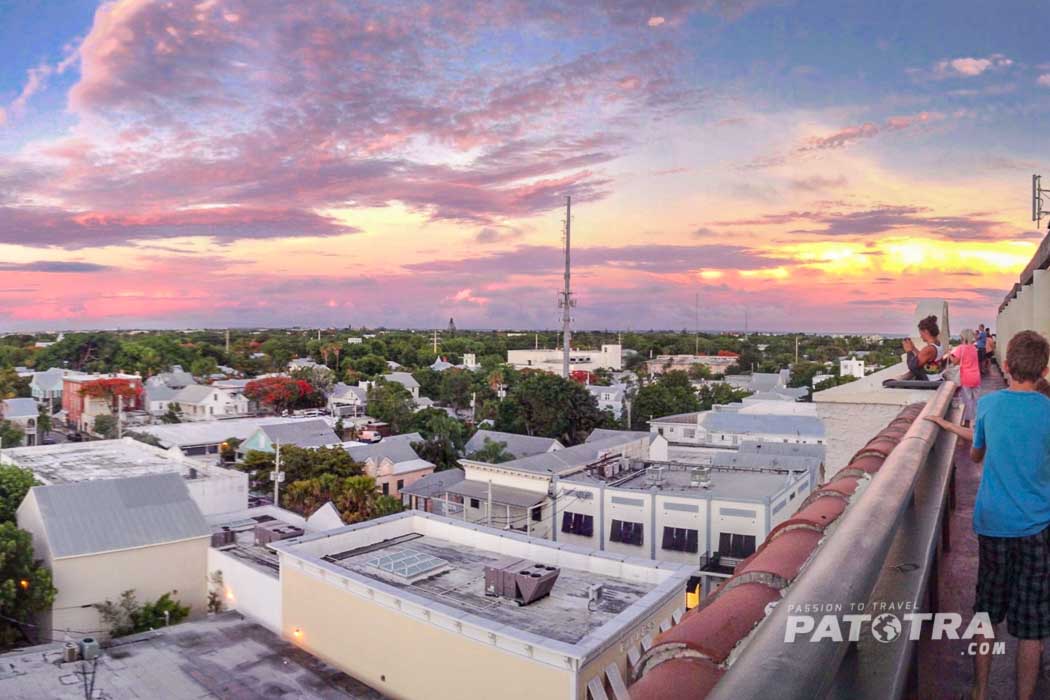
{"points": [[845, 571]]}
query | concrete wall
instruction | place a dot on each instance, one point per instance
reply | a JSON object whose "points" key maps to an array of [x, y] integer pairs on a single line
{"points": [[248, 590], [404, 657], [150, 571], [220, 490]]}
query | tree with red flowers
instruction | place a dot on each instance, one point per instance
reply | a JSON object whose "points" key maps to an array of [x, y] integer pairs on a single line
{"points": [[112, 389], [279, 393]]}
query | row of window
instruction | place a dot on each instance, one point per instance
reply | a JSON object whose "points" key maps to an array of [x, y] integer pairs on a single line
{"points": [[678, 539]]}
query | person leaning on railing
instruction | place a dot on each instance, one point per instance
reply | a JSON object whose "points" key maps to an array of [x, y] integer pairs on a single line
{"points": [[1011, 515]]}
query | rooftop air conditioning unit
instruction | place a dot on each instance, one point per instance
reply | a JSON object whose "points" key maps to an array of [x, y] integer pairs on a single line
{"points": [[89, 648], [223, 537], [519, 580]]}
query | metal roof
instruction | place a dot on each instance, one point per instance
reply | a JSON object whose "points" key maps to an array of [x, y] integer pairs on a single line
{"points": [[19, 408], [194, 393], [403, 378], [396, 448], [49, 380], [753, 423], [210, 432], [90, 517], [504, 495], [572, 457], [434, 484], [308, 433], [515, 444]]}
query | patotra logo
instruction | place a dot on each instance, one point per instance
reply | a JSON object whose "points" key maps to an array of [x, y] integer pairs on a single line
{"points": [[839, 624]]}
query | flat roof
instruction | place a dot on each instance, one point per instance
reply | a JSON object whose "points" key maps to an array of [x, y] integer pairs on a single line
{"points": [[220, 657], [561, 622], [743, 484], [98, 459]]}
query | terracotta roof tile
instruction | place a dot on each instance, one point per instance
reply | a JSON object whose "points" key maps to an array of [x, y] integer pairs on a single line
{"points": [[784, 556], [818, 514], [674, 679], [681, 664], [724, 623]]}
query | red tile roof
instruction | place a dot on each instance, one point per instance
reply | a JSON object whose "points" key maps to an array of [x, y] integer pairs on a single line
{"points": [[687, 660]]}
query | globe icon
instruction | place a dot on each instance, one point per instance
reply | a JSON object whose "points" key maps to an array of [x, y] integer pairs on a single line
{"points": [[886, 627]]}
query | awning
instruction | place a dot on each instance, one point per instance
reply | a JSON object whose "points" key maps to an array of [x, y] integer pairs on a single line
{"points": [[503, 495]]}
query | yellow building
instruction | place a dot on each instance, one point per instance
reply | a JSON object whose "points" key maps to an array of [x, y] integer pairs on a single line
{"points": [[101, 538], [406, 604]]}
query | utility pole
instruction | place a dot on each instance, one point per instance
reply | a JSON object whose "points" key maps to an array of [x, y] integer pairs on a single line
{"points": [[227, 341], [796, 349], [696, 320], [278, 476], [1037, 200], [566, 301], [488, 510], [435, 342]]}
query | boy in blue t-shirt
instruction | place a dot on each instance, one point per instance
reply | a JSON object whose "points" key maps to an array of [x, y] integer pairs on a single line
{"points": [[1012, 513]]}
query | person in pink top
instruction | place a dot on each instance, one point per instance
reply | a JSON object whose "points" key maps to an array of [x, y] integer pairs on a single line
{"points": [[966, 356]]}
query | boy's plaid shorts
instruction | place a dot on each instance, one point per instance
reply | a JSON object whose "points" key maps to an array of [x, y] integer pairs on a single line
{"points": [[1013, 582]]}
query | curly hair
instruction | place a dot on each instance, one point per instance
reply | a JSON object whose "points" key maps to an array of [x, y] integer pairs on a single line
{"points": [[929, 324]]}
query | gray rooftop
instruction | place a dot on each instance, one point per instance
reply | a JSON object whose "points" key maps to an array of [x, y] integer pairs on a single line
{"points": [[221, 657], [501, 495], [211, 432], [397, 448], [98, 459], [194, 393], [19, 408], [113, 514], [517, 445], [756, 423], [746, 485], [605, 433], [160, 392], [434, 484], [572, 458], [49, 380], [345, 391], [403, 378], [562, 616], [306, 433]]}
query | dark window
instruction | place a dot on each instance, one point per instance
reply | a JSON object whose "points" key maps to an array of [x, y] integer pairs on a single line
{"points": [[578, 524], [626, 532], [386, 489], [736, 546], [474, 503], [537, 513], [680, 539], [400, 484]]}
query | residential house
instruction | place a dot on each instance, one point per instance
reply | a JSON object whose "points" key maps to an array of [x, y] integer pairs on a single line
{"points": [[82, 406], [46, 387], [311, 433], [610, 398], [406, 380], [157, 398], [175, 378], [23, 414], [346, 400], [608, 357], [392, 462], [514, 444], [101, 538], [209, 402]]}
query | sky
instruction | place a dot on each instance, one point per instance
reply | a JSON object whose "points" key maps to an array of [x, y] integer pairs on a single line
{"points": [[816, 166]]}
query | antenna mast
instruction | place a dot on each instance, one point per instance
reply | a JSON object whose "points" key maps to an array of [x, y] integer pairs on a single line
{"points": [[566, 301]]}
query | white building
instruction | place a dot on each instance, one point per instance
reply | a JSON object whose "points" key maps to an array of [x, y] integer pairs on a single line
{"points": [[608, 357], [209, 402], [851, 368], [610, 398], [23, 414], [348, 400]]}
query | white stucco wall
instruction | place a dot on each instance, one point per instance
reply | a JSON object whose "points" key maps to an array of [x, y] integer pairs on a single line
{"points": [[248, 590]]}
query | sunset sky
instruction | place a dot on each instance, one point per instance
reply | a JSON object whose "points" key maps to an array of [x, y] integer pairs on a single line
{"points": [[816, 165]]}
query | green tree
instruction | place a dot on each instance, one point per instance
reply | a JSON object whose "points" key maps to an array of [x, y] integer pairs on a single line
{"points": [[106, 425], [547, 405], [127, 616], [12, 386], [720, 394], [386, 505], [15, 483], [391, 403], [25, 584], [43, 423], [173, 414], [369, 365], [493, 452], [670, 394], [457, 387], [10, 434]]}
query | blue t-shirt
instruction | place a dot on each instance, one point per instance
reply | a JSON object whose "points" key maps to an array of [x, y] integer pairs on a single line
{"points": [[1014, 497], [982, 340]]}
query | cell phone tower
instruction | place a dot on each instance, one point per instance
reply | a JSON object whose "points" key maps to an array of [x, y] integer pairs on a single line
{"points": [[565, 300]]}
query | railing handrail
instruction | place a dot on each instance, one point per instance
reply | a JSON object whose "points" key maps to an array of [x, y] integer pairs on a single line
{"points": [[844, 571]]}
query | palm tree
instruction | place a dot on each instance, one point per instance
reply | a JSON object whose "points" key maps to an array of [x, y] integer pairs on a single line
{"points": [[356, 499]]}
